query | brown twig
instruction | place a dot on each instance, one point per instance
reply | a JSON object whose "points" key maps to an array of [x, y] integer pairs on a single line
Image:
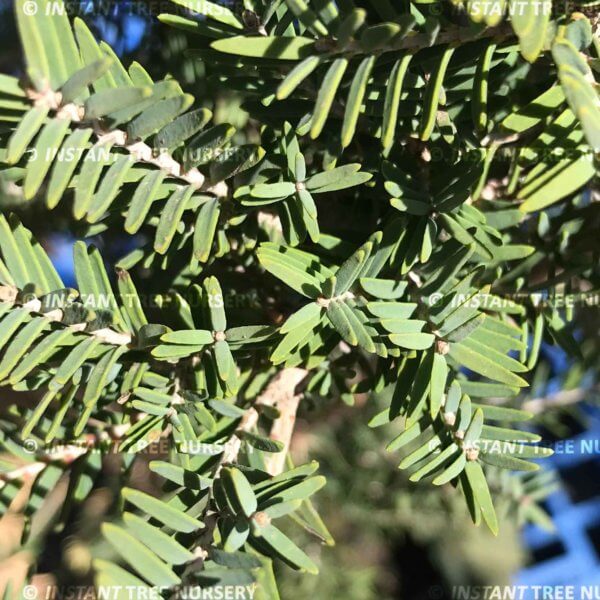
{"points": [[138, 149], [562, 398], [106, 335], [281, 392]]}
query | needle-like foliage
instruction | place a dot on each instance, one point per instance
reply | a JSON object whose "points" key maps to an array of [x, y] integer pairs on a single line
{"points": [[410, 200]]}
